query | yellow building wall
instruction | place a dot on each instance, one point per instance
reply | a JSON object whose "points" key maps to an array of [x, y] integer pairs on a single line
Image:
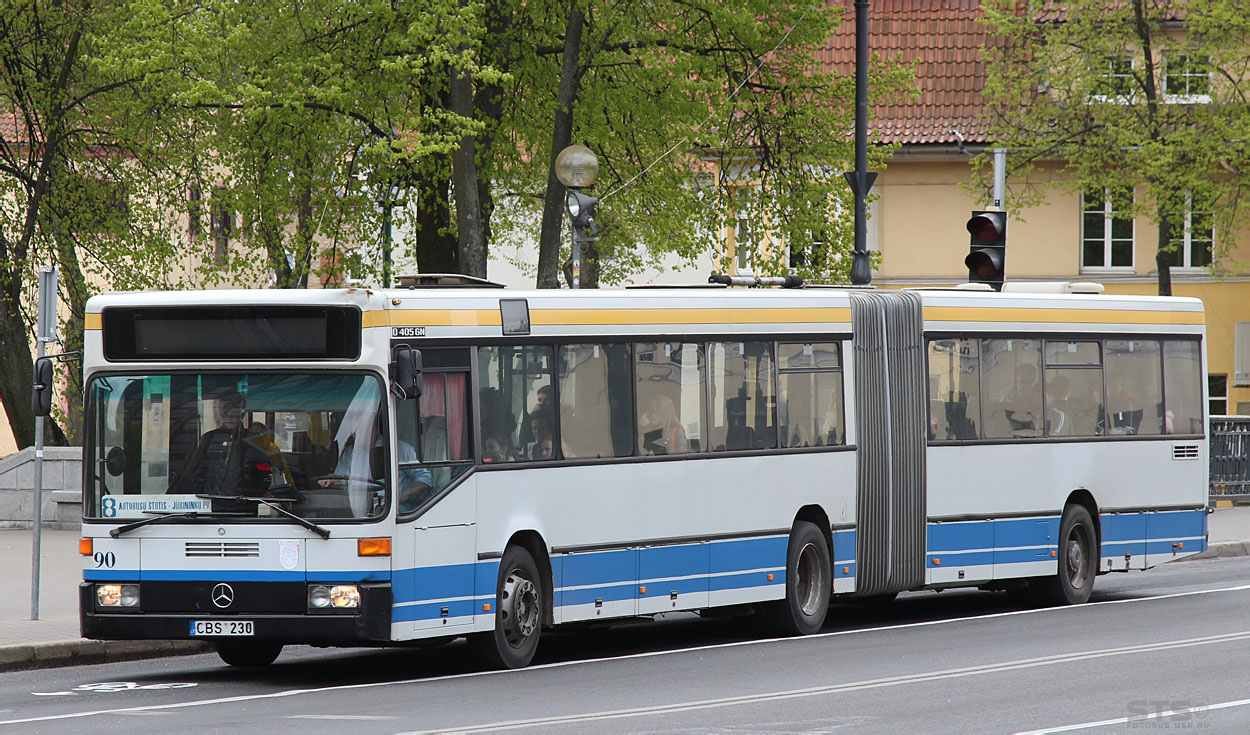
{"points": [[924, 204]]}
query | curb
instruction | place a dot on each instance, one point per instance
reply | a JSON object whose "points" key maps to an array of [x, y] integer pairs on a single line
{"points": [[25, 656], [1224, 550]]}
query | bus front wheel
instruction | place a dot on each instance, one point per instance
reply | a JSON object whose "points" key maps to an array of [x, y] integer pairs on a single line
{"points": [[809, 574], [248, 655], [1073, 583], [518, 613]]}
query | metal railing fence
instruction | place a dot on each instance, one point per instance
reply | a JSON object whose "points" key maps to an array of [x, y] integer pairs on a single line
{"points": [[1230, 458]]}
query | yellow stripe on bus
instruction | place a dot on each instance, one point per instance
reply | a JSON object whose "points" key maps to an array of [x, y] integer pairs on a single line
{"points": [[577, 317], [1061, 316]]}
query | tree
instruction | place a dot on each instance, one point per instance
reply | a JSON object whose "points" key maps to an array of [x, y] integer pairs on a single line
{"points": [[1150, 95], [310, 124], [69, 194], [663, 92]]}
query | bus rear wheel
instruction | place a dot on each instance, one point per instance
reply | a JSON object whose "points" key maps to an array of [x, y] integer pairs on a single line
{"points": [[518, 613], [1073, 583], [809, 574], [250, 654]]}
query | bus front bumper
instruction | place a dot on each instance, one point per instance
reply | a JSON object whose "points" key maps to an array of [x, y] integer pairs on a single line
{"points": [[368, 624]]}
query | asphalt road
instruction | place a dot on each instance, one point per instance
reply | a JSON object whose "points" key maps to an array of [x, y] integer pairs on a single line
{"points": [[1159, 650]]}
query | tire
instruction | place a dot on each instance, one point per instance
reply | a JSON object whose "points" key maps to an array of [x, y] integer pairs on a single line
{"points": [[250, 654], [809, 580], [1073, 582], [519, 607]]}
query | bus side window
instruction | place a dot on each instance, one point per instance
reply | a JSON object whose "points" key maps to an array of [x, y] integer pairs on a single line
{"points": [[1135, 386], [672, 402], [811, 409], [1011, 390], [955, 389], [596, 401], [1182, 376], [518, 404]]}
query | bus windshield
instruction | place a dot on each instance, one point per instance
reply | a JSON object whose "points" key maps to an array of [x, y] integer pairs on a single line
{"points": [[193, 443]]}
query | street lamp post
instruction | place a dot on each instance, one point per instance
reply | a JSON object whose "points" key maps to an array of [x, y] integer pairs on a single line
{"points": [[577, 168]]}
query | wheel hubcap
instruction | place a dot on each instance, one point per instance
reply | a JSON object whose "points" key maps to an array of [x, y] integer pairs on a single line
{"points": [[519, 609], [807, 586]]}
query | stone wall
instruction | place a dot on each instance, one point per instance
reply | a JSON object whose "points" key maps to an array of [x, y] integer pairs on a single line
{"points": [[62, 488]]}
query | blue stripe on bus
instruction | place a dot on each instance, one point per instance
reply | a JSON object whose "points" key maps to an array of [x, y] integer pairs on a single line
{"points": [[433, 583], [748, 580]]}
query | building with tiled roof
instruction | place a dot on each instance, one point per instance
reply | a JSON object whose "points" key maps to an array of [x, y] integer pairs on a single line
{"points": [[924, 196], [941, 40]]}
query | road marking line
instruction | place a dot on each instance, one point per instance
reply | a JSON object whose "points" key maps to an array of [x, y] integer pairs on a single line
{"points": [[579, 662], [369, 718], [1148, 720], [891, 681]]}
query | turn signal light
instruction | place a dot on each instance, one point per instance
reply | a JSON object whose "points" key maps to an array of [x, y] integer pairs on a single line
{"points": [[86, 546], [373, 547]]}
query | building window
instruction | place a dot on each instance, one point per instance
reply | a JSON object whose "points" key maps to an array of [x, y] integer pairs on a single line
{"points": [[1115, 82], [1107, 228], [1194, 245], [744, 248], [1187, 79], [811, 255], [1217, 394]]}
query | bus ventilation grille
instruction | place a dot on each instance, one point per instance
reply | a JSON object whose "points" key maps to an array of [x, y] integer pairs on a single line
{"points": [[223, 549], [1184, 451]]}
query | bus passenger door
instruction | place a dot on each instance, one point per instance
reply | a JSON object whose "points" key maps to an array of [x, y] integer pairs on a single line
{"points": [[441, 594]]}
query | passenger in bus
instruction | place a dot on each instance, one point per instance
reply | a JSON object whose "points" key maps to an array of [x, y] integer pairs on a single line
{"points": [[1058, 392], [497, 420], [662, 431], [1024, 402], [542, 426], [497, 449], [544, 403]]}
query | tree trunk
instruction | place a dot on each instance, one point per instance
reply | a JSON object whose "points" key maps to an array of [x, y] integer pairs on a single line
{"points": [[1163, 258], [437, 249], [471, 239], [74, 286], [305, 247], [18, 377], [561, 136]]}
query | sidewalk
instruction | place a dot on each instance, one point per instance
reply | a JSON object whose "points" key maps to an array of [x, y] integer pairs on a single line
{"points": [[54, 640]]}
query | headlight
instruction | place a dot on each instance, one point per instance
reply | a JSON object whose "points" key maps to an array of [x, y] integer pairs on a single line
{"points": [[324, 596], [117, 595]]}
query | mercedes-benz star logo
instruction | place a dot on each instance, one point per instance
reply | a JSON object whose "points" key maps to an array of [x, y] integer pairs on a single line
{"points": [[223, 595]]}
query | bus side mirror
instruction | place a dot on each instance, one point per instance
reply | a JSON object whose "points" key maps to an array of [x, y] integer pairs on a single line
{"points": [[41, 395], [406, 380]]}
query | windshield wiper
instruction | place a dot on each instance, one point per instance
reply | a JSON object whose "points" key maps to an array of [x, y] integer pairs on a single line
{"points": [[319, 530], [166, 516]]}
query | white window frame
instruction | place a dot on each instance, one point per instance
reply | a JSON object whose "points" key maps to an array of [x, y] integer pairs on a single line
{"points": [[1186, 73], [1212, 398], [1109, 218], [1186, 240], [744, 259], [1108, 72]]}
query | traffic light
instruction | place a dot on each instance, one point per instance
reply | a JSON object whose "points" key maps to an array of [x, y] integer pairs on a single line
{"points": [[987, 255]]}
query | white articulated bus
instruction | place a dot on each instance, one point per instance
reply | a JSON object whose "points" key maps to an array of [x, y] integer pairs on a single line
{"points": [[373, 467]]}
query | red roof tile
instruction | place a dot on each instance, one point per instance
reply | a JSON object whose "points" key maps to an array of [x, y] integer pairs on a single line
{"points": [[943, 40]]}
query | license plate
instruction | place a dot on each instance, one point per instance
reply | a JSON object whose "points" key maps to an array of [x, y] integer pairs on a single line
{"points": [[222, 627]]}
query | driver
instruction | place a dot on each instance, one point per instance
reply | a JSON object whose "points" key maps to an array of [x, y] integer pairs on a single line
{"points": [[216, 465]]}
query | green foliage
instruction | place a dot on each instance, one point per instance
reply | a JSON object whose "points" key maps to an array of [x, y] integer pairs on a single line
{"points": [[670, 93], [1061, 88]]}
